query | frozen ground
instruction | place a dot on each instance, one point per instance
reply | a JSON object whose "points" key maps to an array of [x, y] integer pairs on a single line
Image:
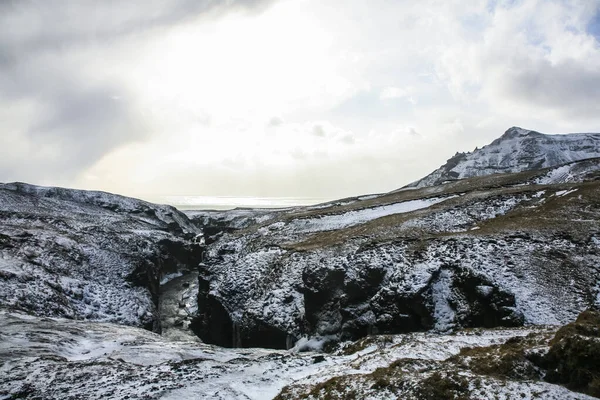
{"points": [[60, 359]]}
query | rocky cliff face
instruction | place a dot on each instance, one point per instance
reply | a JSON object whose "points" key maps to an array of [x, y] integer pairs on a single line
{"points": [[504, 250], [515, 151], [88, 255]]}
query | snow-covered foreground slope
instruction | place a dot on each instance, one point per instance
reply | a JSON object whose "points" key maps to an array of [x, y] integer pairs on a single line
{"points": [[88, 255], [504, 250], [516, 151], [47, 358]]}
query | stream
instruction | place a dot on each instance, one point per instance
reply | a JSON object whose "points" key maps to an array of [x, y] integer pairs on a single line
{"points": [[177, 305]]}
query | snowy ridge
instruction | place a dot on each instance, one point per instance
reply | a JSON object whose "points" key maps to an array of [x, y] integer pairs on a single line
{"points": [[113, 202], [570, 173], [516, 151]]}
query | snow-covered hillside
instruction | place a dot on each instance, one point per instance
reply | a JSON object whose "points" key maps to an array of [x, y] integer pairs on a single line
{"points": [[515, 151], [491, 251], [88, 255]]}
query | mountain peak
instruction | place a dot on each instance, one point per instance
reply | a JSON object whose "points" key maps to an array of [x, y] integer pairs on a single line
{"points": [[516, 150], [516, 131]]}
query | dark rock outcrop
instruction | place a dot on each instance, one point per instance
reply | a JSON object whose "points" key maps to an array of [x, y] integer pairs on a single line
{"points": [[323, 295], [574, 356], [354, 308], [480, 303], [339, 306], [214, 325]]}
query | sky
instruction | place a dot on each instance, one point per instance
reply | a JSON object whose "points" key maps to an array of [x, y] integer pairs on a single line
{"points": [[306, 98]]}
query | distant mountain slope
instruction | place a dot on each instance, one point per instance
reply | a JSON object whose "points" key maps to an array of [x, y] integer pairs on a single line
{"points": [[516, 150]]}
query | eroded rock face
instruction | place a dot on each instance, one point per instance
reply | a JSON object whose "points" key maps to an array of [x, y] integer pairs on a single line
{"points": [[493, 258], [390, 288], [479, 302], [323, 296], [214, 325], [171, 256], [346, 297], [354, 308]]}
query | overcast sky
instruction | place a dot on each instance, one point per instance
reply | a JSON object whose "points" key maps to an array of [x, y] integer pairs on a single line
{"points": [[285, 97]]}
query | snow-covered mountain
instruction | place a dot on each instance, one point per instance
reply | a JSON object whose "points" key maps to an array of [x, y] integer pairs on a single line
{"points": [[515, 151]]}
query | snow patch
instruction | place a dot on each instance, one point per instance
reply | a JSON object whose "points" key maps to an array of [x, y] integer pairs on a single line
{"points": [[368, 197], [443, 314], [170, 277], [309, 344], [562, 193], [351, 218], [557, 175]]}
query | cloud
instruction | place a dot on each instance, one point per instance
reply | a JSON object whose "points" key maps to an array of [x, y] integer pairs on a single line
{"points": [[159, 95], [68, 124], [410, 131], [569, 87], [275, 122], [62, 81], [329, 134], [593, 26], [531, 56], [33, 26], [318, 131], [392, 92], [347, 139]]}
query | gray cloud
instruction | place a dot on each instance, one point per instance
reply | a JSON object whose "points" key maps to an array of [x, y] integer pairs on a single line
{"points": [[80, 100], [40, 25], [275, 122], [571, 88], [318, 130], [44, 62], [87, 123], [347, 139]]}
